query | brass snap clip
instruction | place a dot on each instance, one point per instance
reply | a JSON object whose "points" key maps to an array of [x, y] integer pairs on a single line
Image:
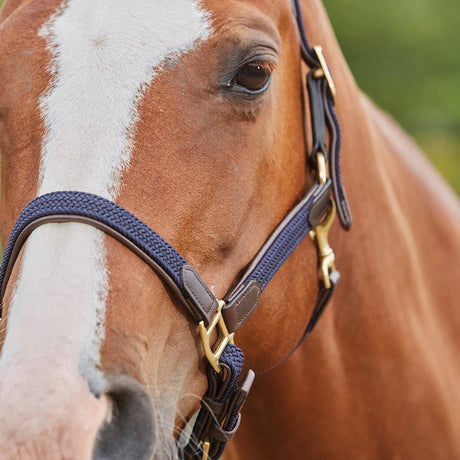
{"points": [[224, 338], [325, 253]]}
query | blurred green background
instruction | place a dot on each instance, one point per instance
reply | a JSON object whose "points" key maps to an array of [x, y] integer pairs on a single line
{"points": [[405, 54]]}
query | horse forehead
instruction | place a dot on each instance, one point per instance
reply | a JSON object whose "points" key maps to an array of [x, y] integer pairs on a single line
{"points": [[103, 57], [119, 46], [155, 27]]}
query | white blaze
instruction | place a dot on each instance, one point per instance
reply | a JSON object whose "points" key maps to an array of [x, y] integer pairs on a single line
{"points": [[104, 54]]}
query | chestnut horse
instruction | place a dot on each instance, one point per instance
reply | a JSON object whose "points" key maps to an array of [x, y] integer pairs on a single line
{"points": [[190, 115]]}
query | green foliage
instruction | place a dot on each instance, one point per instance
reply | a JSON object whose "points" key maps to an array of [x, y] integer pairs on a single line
{"points": [[405, 54]]}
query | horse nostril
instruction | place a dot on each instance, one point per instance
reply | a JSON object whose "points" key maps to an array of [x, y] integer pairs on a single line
{"points": [[130, 433]]}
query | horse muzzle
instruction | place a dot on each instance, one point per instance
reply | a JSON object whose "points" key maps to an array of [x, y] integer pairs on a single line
{"points": [[129, 434], [64, 420]]}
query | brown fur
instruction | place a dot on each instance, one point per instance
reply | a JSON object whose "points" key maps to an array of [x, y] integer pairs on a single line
{"points": [[214, 176]]}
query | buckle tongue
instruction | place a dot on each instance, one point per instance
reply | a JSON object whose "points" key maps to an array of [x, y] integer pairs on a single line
{"points": [[206, 446], [324, 71], [225, 338]]}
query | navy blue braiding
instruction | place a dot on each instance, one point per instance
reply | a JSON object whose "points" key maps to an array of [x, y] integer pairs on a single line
{"points": [[107, 212], [339, 191], [308, 53], [282, 247], [337, 143], [233, 358]]}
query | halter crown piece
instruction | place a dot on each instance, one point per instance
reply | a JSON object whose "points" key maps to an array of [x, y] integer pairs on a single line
{"points": [[219, 416]]}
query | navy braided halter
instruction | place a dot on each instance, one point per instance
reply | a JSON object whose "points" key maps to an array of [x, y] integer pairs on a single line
{"points": [[219, 416]]}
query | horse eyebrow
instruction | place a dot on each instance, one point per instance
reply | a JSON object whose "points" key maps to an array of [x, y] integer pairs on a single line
{"points": [[249, 28]]}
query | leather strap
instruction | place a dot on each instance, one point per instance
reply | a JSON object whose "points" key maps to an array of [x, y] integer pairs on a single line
{"points": [[324, 295], [311, 59], [220, 413], [322, 299], [343, 208], [318, 119]]}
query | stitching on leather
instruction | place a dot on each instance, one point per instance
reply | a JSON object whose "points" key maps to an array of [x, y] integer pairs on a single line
{"points": [[195, 297], [241, 320]]}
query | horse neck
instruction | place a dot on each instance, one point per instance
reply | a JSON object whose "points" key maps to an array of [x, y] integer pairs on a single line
{"points": [[387, 325]]}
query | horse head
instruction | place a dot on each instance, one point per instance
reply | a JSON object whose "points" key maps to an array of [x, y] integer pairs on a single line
{"points": [[176, 136], [189, 115]]}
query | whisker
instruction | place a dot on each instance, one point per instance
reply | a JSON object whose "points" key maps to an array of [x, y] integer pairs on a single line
{"points": [[172, 439], [193, 440]]}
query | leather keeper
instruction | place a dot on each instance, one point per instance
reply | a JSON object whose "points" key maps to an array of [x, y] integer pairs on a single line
{"points": [[321, 204], [244, 387], [241, 305], [202, 299], [217, 433]]}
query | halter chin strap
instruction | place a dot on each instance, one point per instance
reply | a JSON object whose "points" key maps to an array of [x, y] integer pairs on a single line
{"points": [[220, 413]]}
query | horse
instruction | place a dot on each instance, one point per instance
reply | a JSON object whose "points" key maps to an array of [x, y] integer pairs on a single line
{"points": [[193, 116]]}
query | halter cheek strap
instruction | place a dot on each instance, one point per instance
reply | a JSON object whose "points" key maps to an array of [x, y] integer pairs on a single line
{"points": [[220, 413]]}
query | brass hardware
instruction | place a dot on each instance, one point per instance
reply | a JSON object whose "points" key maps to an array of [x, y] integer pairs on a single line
{"points": [[324, 72], [325, 252], [206, 447], [322, 171], [318, 73], [225, 338]]}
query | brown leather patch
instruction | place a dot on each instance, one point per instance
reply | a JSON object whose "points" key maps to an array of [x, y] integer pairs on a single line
{"points": [[238, 309], [321, 204], [203, 299]]}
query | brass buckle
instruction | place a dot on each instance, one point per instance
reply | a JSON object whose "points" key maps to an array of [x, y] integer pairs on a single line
{"points": [[324, 71], [225, 338], [325, 252], [206, 447]]}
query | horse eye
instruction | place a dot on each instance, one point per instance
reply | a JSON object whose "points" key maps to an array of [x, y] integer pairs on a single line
{"points": [[253, 76]]}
